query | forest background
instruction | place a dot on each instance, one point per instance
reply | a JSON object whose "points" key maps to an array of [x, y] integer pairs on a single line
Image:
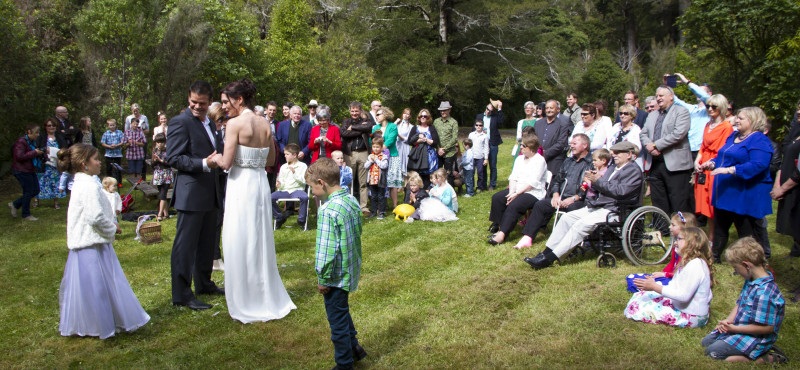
{"points": [[96, 57]]}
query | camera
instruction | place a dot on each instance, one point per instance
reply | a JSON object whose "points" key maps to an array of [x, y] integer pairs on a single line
{"points": [[701, 178]]}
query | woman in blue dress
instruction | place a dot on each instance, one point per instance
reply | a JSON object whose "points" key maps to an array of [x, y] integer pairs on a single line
{"points": [[49, 179], [742, 182]]}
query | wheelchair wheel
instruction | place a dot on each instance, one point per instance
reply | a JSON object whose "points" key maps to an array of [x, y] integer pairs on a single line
{"points": [[645, 236], [606, 259]]}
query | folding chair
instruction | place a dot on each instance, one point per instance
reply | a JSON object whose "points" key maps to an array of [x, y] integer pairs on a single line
{"points": [[308, 208]]}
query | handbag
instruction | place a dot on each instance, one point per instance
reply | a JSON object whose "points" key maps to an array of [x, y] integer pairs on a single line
{"points": [[418, 158]]}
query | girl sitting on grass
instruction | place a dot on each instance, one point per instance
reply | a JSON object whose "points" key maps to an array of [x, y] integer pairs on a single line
{"points": [[442, 204], [685, 301], [678, 222], [95, 297]]}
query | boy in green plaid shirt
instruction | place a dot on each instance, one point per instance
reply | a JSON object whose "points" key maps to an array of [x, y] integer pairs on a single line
{"points": [[338, 259]]}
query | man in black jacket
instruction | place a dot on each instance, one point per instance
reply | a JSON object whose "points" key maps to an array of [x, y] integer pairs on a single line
{"points": [[553, 133]]}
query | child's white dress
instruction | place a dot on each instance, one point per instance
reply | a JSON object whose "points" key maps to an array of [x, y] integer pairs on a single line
{"points": [[440, 206]]}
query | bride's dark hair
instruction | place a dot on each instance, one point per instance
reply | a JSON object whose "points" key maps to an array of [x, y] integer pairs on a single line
{"points": [[243, 88]]}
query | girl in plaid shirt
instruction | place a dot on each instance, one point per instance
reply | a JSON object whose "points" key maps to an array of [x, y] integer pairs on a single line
{"points": [[134, 140], [751, 329]]}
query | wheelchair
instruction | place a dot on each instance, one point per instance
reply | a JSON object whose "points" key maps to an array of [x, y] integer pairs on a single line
{"points": [[641, 232]]}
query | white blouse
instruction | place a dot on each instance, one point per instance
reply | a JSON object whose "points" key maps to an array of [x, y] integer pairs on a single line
{"points": [[90, 216], [529, 171], [632, 137], [690, 289], [598, 134]]}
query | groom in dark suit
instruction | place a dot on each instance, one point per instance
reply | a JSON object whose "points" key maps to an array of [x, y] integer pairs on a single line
{"points": [[191, 145]]}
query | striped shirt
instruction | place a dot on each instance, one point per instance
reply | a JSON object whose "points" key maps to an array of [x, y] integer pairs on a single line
{"points": [[759, 303], [113, 138], [338, 261]]}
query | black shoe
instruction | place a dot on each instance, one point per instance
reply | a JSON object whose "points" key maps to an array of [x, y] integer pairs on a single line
{"points": [[301, 223], [213, 291], [494, 228], [279, 222], [194, 304], [492, 241], [359, 353], [542, 260]]}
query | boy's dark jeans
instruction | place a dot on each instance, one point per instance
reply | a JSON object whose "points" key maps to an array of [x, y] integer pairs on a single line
{"points": [[111, 171], [343, 333], [378, 194], [469, 180], [30, 189], [480, 169]]}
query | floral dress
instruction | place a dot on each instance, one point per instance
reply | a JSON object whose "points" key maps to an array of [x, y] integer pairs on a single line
{"points": [[162, 174], [48, 180]]}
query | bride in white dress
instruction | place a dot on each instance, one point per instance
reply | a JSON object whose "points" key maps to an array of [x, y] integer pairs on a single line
{"points": [[253, 287]]}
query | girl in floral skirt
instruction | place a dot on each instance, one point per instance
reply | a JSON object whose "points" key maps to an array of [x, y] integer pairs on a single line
{"points": [[162, 174], [685, 301]]}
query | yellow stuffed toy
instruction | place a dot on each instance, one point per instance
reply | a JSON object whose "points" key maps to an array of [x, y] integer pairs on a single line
{"points": [[403, 210]]}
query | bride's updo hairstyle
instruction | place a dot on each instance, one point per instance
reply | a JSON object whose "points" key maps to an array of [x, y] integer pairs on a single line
{"points": [[73, 158], [243, 88]]}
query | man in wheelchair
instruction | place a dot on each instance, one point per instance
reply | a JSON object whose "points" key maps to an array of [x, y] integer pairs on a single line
{"points": [[622, 182]]}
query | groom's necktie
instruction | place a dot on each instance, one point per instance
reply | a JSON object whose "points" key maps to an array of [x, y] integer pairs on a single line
{"points": [[217, 141]]}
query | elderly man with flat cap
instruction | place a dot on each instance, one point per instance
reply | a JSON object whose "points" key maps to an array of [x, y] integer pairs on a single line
{"points": [[622, 181]]}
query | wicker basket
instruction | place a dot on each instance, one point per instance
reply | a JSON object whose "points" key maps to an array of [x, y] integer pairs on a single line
{"points": [[150, 232]]}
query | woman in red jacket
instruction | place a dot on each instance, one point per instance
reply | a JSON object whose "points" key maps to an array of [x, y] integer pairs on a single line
{"points": [[27, 157], [324, 138]]}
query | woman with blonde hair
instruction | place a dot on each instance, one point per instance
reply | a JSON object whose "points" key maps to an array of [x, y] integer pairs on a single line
{"points": [[740, 194]]}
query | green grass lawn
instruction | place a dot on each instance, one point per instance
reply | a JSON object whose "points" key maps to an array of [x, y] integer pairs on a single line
{"points": [[432, 295]]}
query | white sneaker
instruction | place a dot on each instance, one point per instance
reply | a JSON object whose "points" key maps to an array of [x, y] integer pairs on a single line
{"points": [[409, 220], [467, 196], [13, 210], [31, 218]]}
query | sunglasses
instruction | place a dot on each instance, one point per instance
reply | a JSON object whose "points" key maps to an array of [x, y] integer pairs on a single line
{"points": [[423, 116], [478, 125], [585, 114], [624, 113], [714, 107], [50, 125]]}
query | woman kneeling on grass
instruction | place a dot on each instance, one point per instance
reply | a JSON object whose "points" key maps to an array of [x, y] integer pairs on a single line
{"points": [[95, 297], [685, 301]]}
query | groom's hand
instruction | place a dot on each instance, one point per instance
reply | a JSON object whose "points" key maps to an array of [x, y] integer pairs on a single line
{"points": [[211, 161], [323, 289]]}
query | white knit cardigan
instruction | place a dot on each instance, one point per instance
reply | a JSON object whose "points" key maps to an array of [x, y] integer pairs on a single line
{"points": [[90, 216]]}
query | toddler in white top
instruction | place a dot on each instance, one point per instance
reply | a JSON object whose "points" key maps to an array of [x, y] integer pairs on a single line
{"points": [[110, 187]]}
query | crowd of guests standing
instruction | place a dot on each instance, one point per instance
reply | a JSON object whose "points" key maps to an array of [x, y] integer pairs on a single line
{"points": [[699, 159]]}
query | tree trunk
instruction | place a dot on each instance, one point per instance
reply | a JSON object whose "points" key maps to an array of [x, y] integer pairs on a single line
{"points": [[444, 23]]}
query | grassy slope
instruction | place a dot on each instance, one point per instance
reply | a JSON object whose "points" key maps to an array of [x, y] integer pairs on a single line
{"points": [[432, 295]]}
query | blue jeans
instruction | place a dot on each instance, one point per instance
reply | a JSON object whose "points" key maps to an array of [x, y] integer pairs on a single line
{"points": [[469, 180], [719, 349], [493, 165], [480, 170], [30, 189], [343, 333]]}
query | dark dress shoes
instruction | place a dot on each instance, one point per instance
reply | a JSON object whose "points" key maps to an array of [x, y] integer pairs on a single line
{"points": [[494, 228], [194, 304], [492, 241], [213, 291], [542, 260], [359, 353]]}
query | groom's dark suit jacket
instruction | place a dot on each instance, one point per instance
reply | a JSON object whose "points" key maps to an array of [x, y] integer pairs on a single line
{"points": [[197, 196], [187, 144]]}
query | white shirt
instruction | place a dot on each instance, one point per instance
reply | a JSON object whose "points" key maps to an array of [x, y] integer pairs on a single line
{"points": [[480, 144], [529, 171], [598, 133], [690, 289], [143, 124]]}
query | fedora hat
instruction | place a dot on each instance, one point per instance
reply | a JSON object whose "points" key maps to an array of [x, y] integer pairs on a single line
{"points": [[445, 105], [494, 102]]}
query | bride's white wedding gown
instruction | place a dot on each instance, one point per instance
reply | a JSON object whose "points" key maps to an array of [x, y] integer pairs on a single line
{"points": [[253, 287]]}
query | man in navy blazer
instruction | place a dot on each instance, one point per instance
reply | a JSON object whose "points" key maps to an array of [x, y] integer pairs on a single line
{"points": [[192, 142], [492, 119], [295, 124]]}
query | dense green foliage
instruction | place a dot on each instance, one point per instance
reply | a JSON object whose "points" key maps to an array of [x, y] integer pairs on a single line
{"points": [[98, 56]]}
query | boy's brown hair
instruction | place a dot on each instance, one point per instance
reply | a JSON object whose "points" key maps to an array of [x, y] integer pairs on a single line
{"points": [[746, 249], [324, 169], [377, 140], [468, 143], [292, 148], [602, 154]]}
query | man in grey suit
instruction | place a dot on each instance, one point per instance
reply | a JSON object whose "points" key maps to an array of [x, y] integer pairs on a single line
{"points": [[192, 142], [667, 155], [553, 132]]}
